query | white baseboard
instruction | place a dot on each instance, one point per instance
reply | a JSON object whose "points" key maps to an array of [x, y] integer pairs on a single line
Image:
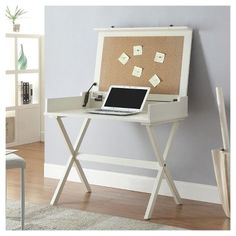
{"points": [[42, 136], [187, 190]]}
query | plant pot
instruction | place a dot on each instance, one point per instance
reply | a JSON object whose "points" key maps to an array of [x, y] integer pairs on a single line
{"points": [[16, 27]]}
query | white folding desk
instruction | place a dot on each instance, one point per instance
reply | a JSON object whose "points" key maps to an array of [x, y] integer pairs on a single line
{"points": [[167, 103], [165, 112]]}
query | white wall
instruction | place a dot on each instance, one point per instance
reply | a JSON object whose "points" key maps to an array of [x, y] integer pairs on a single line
{"points": [[70, 51]]}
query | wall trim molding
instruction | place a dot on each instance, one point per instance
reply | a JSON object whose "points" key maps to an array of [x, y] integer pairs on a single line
{"points": [[42, 136], [187, 190]]}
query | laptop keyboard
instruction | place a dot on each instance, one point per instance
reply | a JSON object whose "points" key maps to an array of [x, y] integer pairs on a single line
{"points": [[105, 110], [112, 112]]}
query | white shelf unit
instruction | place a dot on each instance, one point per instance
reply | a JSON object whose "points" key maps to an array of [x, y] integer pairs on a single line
{"points": [[23, 120]]}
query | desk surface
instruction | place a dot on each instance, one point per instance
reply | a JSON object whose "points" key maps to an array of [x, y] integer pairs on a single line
{"points": [[83, 113], [154, 112], [142, 117]]}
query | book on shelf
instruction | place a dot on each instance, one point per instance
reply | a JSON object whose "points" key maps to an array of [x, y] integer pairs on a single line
{"points": [[26, 92]]}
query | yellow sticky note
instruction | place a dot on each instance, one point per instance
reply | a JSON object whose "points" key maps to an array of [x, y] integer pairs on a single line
{"points": [[123, 59], [159, 57], [137, 71], [155, 80], [137, 50]]}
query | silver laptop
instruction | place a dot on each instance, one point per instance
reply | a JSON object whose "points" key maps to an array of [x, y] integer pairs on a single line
{"points": [[123, 101]]}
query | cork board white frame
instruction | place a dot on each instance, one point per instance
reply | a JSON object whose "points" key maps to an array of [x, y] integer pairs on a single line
{"points": [[184, 32]]}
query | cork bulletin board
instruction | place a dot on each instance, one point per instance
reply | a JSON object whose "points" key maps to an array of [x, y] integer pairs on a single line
{"points": [[164, 53], [115, 73]]}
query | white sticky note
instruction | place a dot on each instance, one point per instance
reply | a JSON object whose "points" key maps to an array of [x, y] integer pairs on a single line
{"points": [[137, 50], [155, 80], [123, 59], [137, 71], [159, 57]]}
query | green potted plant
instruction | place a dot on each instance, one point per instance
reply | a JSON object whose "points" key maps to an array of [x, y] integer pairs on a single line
{"points": [[13, 16]]}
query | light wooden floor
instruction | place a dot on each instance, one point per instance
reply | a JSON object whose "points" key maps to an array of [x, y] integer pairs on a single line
{"points": [[124, 203]]}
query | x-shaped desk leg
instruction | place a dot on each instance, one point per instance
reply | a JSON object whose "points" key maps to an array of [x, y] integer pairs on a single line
{"points": [[72, 160], [163, 171]]}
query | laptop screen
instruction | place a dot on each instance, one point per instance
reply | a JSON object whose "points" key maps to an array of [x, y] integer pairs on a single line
{"points": [[126, 98]]}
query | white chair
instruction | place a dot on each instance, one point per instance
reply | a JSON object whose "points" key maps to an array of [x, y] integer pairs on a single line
{"points": [[14, 161], [221, 157]]}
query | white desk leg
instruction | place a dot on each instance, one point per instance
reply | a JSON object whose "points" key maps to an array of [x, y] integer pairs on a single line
{"points": [[168, 176], [163, 171], [154, 194], [76, 161], [82, 176], [62, 182], [173, 130], [172, 186], [72, 159]]}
